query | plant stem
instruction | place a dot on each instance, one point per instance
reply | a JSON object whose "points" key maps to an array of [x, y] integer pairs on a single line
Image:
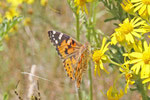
{"points": [[91, 88], [114, 63], [89, 40], [79, 94], [142, 89], [77, 27], [78, 38]]}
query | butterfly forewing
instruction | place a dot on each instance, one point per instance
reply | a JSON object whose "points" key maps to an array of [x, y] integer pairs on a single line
{"points": [[65, 45]]}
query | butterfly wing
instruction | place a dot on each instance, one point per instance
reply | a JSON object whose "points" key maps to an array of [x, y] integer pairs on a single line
{"points": [[74, 55], [68, 49], [81, 66]]}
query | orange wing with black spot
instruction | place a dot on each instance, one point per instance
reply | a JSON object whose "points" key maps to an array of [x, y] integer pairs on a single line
{"points": [[72, 53]]}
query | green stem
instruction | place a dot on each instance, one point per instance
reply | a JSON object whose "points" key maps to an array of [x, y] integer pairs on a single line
{"points": [[78, 38], [89, 39], [96, 40], [77, 27], [142, 89], [79, 94], [91, 88], [114, 63]]}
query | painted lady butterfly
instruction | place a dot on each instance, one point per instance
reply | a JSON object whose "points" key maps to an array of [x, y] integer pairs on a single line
{"points": [[74, 54]]}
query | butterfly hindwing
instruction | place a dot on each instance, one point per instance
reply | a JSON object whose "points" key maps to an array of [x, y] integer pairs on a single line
{"points": [[69, 65], [81, 67]]}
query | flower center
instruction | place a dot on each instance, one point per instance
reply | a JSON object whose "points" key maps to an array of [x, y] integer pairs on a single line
{"points": [[146, 2], [126, 28], [81, 2], [146, 57], [97, 56], [128, 76]]}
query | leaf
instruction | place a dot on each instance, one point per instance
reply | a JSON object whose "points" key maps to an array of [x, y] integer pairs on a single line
{"points": [[5, 96], [5, 27], [110, 19]]}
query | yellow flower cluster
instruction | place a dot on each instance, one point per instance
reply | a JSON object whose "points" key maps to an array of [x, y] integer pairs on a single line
{"points": [[12, 7], [128, 30], [140, 6], [129, 35], [140, 61]]}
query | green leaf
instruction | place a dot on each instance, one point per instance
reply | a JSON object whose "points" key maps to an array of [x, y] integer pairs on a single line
{"points": [[5, 97], [110, 19], [6, 26]]}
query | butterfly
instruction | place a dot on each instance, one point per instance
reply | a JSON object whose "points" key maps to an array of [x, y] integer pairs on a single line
{"points": [[74, 55]]}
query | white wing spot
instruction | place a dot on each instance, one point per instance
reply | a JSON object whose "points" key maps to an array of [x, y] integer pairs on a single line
{"points": [[54, 32], [60, 36], [56, 41], [52, 35]]}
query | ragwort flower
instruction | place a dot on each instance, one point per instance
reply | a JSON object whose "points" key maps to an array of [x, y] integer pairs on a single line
{"points": [[44, 2], [81, 5], [27, 21], [99, 57], [128, 31], [142, 6], [11, 13], [15, 3], [128, 75], [141, 61], [29, 1], [1, 19], [127, 6], [113, 94]]}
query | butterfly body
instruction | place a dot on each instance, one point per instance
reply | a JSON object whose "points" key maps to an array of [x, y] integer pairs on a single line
{"points": [[74, 54]]}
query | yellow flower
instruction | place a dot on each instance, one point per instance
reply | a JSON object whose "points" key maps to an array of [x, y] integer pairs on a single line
{"points": [[127, 6], [11, 13], [29, 1], [44, 2], [15, 28], [144, 15], [128, 75], [82, 5], [27, 21], [6, 37], [147, 28], [15, 3], [141, 60], [1, 19], [141, 6], [128, 30], [113, 94], [99, 57]]}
